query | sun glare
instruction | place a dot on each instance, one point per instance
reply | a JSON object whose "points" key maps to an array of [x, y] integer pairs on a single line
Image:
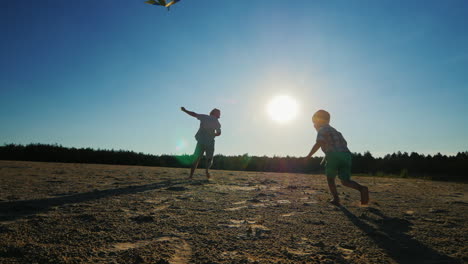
{"points": [[282, 108]]}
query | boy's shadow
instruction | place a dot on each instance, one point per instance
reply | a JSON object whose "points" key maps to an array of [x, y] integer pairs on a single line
{"points": [[13, 210], [390, 235]]}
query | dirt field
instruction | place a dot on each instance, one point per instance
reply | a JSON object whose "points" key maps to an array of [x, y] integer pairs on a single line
{"points": [[81, 213]]}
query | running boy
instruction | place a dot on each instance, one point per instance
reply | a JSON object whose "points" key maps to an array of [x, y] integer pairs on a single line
{"points": [[337, 155], [209, 129]]}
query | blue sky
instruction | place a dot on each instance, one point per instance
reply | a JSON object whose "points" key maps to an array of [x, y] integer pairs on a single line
{"points": [[113, 74]]}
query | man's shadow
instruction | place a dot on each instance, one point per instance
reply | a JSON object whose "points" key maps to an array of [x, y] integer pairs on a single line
{"points": [[13, 210], [390, 235]]}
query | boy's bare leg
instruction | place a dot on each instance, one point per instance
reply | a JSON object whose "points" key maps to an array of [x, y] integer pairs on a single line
{"points": [[362, 189], [209, 162], [334, 192], [194, 166], [209, 159]]}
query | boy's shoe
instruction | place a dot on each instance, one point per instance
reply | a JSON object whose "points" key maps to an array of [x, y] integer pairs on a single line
{"points": [[335, 202], [364, 195]]}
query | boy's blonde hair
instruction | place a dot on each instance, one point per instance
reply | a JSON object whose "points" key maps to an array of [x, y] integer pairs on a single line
{"points": [[321, 116]]}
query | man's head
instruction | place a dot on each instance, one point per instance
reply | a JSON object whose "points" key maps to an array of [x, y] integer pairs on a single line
{"points": [[321, 118], [216, 113]]}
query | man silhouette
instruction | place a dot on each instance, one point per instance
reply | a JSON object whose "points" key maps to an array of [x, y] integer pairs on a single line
{"points": [[209, 129]]}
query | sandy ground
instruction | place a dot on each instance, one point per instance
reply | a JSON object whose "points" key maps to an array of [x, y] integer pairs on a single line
{"points": [[82, 213]]}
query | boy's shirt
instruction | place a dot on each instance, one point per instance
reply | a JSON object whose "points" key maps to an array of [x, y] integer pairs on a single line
{"points": [[331, 140], [208, 125]]}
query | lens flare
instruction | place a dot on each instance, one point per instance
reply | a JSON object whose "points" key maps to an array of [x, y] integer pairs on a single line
{"points": [[182, 148], [184, 159], [181, 145]]}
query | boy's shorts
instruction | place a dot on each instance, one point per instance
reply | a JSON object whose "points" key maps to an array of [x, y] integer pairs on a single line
{"points": [[207, 148], [338, 163]]}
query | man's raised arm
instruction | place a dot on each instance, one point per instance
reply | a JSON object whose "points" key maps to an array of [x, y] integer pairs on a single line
{"points": [[188, 112]]}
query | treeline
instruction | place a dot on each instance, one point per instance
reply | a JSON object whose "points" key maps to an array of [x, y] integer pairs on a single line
{"points": [[399, 164]]}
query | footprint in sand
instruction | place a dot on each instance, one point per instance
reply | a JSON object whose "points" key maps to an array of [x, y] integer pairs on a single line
{"points": [[346, 252], [298, 252], [309, 203], [153, 201], [258, 230], [160, 207], [183, 251], [182, 255], [457, 198], [409, 212], [233, 224], [238, 187], [254, 229], [130, 245], [256, 203], [289, 214], [235, 208]]}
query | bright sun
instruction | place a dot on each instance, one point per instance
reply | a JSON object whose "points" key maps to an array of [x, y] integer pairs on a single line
{"points": [[282, 108]]}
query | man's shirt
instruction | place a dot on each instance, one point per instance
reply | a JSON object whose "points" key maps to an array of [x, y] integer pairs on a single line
{"points": [[208, 127]]}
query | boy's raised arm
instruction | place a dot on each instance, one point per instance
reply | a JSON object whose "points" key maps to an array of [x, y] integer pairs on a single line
{"points": [[188, 112], [313, 150]]}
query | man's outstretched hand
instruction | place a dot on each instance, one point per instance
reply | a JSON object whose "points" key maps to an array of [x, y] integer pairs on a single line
{"points": [[190, 113]]}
